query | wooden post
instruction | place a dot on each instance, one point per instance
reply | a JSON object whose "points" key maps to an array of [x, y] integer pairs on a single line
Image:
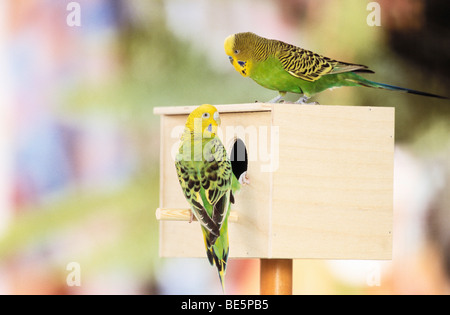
{"points": [[276, 277]]}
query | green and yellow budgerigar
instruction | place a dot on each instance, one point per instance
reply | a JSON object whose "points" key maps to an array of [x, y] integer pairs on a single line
{"points": [[208, 183], [286, 68]]}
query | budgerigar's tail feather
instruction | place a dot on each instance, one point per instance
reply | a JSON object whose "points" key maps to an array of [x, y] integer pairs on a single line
{"points": [[221, 265], [218, 254], [371, 84]]}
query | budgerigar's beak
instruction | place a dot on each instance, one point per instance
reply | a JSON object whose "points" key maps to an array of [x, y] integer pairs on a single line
{"points": [[231, 59]]}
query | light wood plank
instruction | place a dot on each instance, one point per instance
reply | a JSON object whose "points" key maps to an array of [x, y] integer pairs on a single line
{"points": [[249, 236], [333, 189], [230, 108]]}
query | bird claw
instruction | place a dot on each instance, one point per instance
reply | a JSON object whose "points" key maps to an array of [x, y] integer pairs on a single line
{"points": [[276, 99], [191, 217], [244, 179], [304, 101]]}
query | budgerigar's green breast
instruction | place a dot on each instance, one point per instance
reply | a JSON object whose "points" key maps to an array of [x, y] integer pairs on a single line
{"points": [[270, 74]]}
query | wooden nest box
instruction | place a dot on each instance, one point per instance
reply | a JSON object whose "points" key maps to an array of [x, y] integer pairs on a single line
{"points": [[321, 182]]}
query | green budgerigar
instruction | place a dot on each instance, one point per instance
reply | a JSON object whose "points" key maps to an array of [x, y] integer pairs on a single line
{"points": [[208, 183], [286, 68]]}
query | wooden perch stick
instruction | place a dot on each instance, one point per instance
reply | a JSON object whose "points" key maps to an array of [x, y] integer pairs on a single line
{"points": [[163, 214]]}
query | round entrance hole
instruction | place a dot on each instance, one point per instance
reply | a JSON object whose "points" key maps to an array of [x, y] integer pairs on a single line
{"points": [[239, 158]]}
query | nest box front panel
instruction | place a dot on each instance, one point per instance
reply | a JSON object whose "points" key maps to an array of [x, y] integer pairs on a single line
{"points": [[249, 236]]}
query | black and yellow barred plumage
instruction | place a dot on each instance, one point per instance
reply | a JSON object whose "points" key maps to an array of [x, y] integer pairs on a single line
{"points": [[209, 181], [285, 68], [299, 62], [206, 178]]}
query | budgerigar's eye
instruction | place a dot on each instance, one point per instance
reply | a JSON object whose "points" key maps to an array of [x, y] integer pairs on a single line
{"points": [[205, 115], [236, 51]]}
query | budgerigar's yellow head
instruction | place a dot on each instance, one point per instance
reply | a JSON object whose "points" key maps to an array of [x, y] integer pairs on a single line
{"points": [[204, 121], [240, 50]]}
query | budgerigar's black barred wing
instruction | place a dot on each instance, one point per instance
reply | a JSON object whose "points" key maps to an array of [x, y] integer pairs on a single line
{"points": [[189, 180], [309, 66], [216, 179]]}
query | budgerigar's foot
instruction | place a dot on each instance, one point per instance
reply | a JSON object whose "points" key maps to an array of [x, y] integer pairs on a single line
{"points": [[304, 101], [244, 179], [301, 100], [276, 99], [191, 217]]}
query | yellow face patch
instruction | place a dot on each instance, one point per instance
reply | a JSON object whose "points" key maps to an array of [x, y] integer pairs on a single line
{"points": [[229, 44], [241, 66], [204, 120]]}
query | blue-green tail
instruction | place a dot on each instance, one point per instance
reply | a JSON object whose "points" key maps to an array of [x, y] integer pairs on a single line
{"points": [[367, 83]]}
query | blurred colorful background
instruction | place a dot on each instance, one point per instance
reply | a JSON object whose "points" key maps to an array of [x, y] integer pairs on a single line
{"points": [[79, 144]]}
